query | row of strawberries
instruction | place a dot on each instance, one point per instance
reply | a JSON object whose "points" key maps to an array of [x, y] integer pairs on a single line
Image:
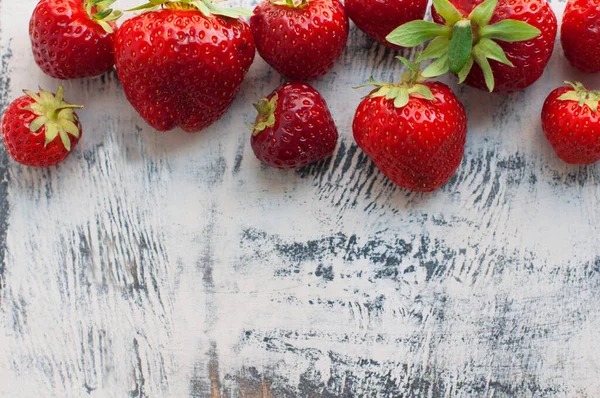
{"points": [[181, 64]]}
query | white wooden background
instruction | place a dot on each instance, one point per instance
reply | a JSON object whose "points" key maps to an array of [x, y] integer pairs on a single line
{"points": [[175, 265]]}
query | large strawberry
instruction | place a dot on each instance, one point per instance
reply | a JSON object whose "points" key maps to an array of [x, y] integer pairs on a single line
{"points": [[571, 122], [580, 34], [378, 18], [183, 62], [293, 128], [41, 129], [73, 38], [414, 131], [503, 45], [301, 39]]}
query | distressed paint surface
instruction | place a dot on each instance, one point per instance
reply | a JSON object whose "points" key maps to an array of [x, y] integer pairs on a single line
{"points": [[174, 265]]}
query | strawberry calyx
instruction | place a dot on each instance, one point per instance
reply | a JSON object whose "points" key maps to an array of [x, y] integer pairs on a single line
{"points": [[266, 114], [101, 12], [291, 3], [461, 41], [56, 115], [582, 96], [206, 7], [409, 86]]}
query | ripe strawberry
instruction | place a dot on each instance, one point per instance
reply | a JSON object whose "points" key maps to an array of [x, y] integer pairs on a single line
{"points": [[571, 122], [301, 39], [580, 34], [378, 18], [503, 45], [182, 63], [293, 127], [414, 131], [73, 38], [41, 129]]}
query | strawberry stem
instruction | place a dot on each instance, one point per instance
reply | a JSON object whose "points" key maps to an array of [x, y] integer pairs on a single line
{"points": [[266, 114]]}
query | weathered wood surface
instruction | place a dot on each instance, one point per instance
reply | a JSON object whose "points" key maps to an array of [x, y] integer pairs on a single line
{"points": [[174, 265]]}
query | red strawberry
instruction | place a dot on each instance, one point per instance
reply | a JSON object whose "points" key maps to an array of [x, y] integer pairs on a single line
{"points": [[378, 18], [41, 129], [183, 64], [580, 34], [293, 127], [73, 38], [301, 39], [503, 45], [571, 122], [414, 131]]}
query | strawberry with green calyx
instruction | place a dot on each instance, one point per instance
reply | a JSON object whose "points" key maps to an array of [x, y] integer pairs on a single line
{"points": [[300, 39], [293, 128], [415, 131], [501, 45], [182, 63], [40, 129], [73, 38], [571, 122]]}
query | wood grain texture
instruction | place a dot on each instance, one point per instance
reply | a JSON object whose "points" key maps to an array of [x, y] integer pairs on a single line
{"points": [[175, 265]]}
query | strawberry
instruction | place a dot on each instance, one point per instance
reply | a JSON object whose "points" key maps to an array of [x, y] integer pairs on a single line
{"points": [[73, 38], [580, 34], [414, 131], [571, 122], [501, 45], [378, 18], [40, 130], [182, 63], [300, 39], [293, 128]]}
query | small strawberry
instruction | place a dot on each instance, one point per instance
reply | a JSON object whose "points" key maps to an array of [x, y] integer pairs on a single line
{"points": [[73, 38], [182, 63], [580, 34], [41, 129], [301, 39], [571, 122], [503, 45], [414, 131], [378, 18], [293, 127]]}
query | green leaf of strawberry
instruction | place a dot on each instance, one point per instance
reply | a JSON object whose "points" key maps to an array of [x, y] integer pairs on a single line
{"points": [[447, 11], [510, 31], [460, 46], [417, 32]]}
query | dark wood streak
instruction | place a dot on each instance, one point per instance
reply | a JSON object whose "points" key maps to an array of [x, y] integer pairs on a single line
{"points": [[138, 375]]}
